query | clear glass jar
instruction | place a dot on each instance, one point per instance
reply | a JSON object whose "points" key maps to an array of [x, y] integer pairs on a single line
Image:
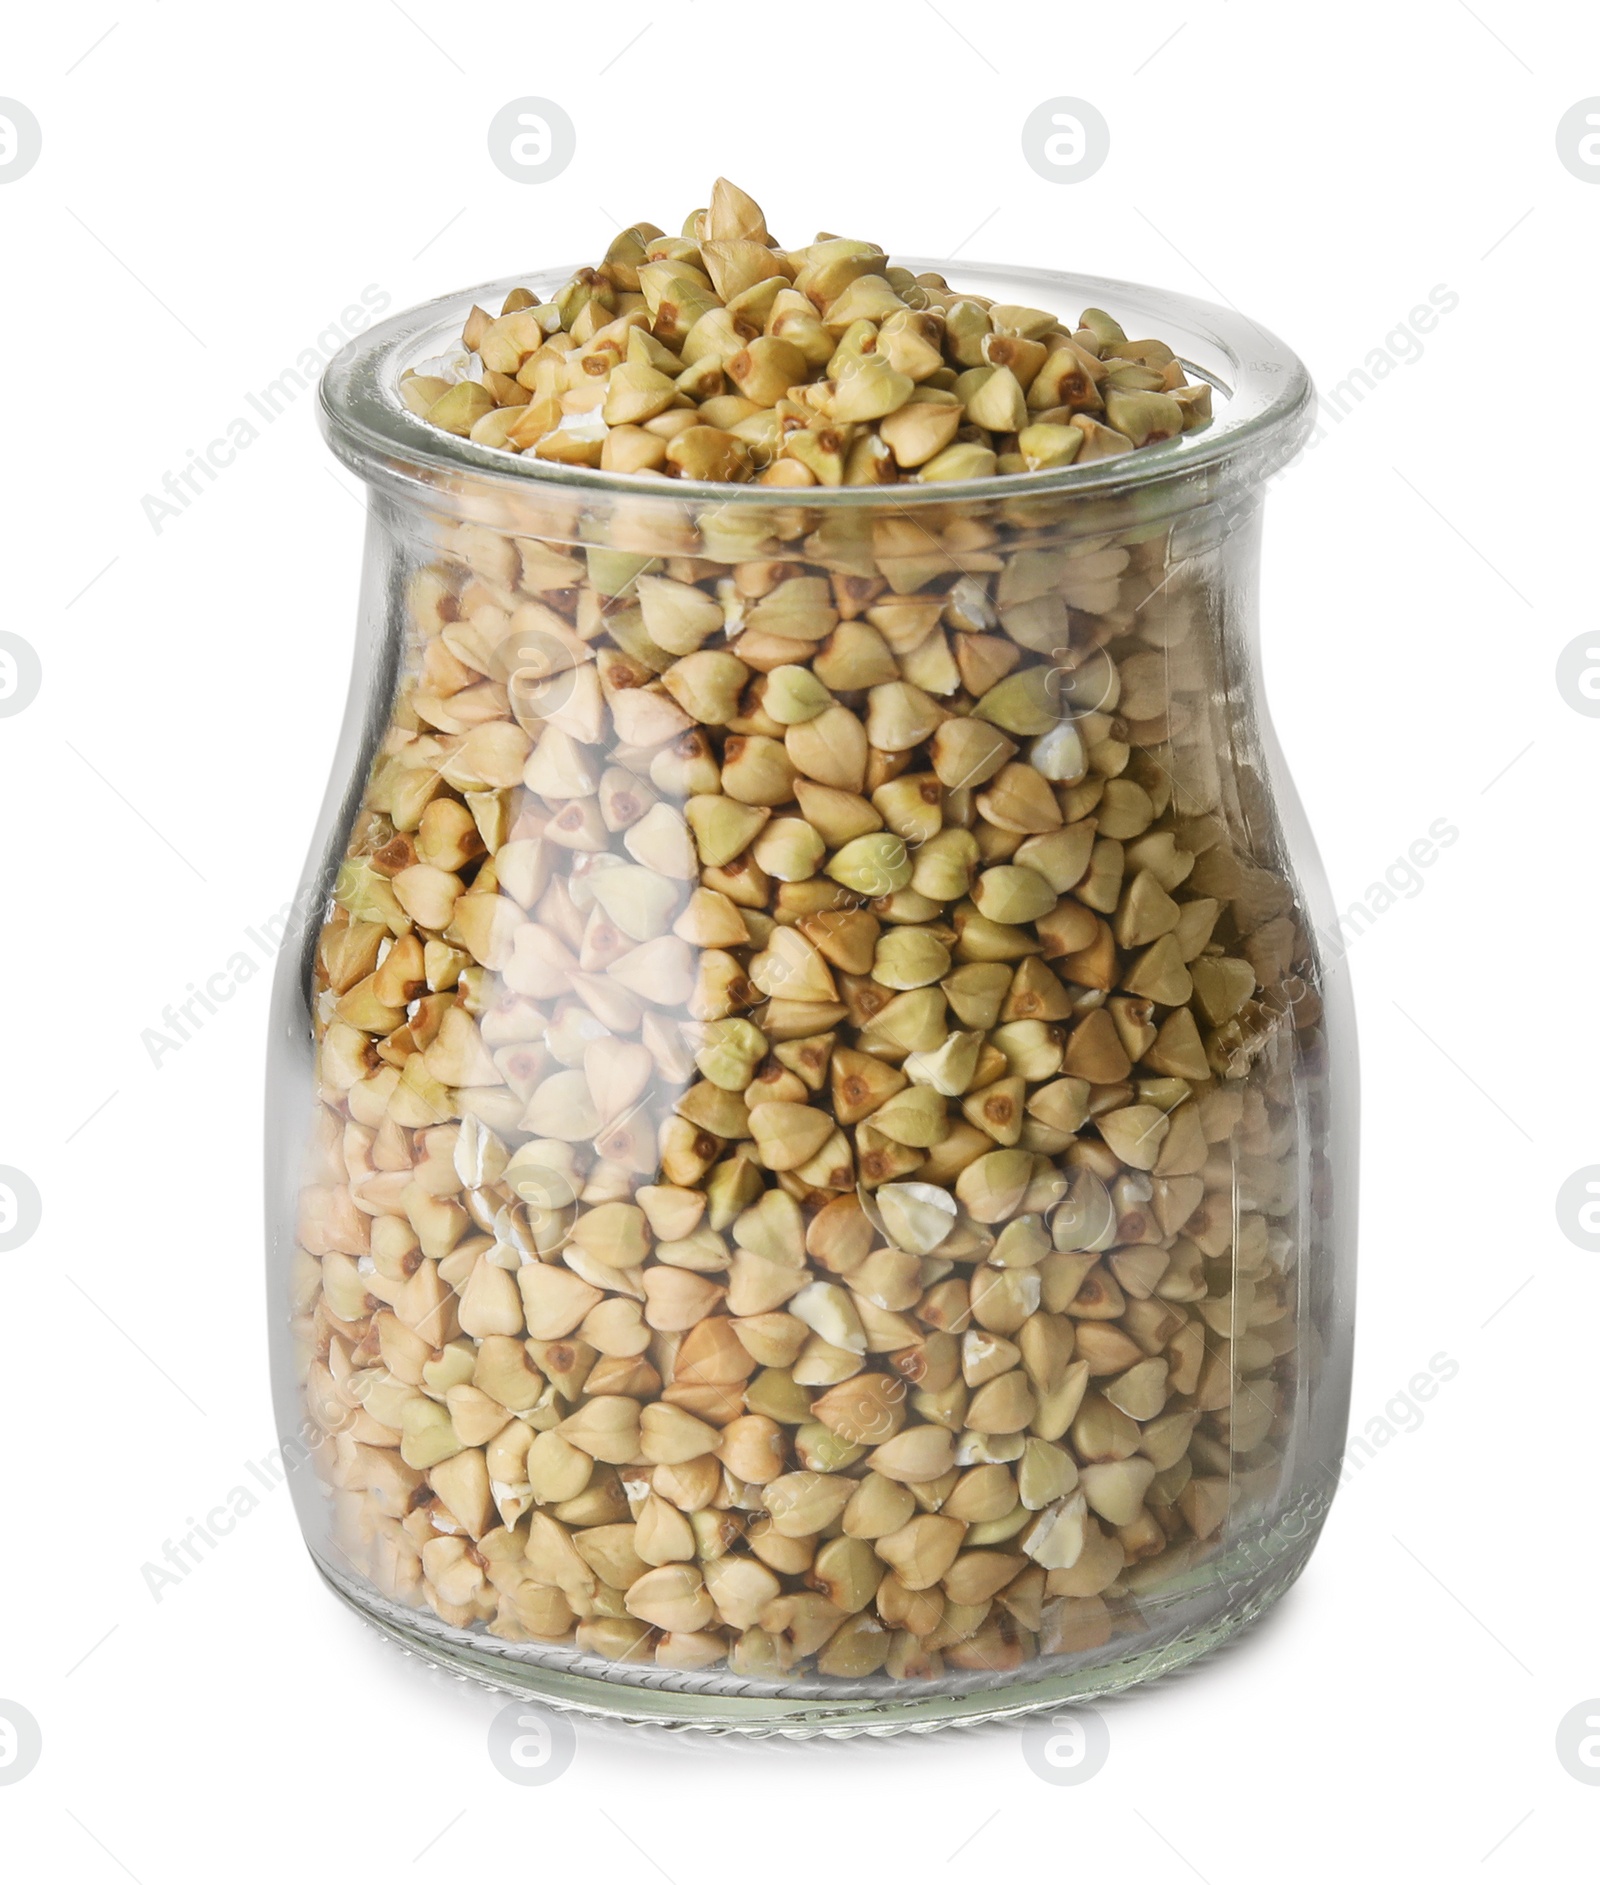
{"points": [[629, 1396]]}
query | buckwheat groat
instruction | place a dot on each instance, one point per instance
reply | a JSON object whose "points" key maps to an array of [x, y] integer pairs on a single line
{"points": [[806, 1178], [718, 355]]}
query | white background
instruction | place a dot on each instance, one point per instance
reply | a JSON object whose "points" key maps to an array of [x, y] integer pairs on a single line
{"points": [[216, 185]]}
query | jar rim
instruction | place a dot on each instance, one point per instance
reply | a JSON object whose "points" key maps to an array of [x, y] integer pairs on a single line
{"points": [[1263, 417]]}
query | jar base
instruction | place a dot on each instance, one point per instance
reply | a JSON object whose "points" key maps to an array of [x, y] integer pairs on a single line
{"points": [[1227, 1595]]}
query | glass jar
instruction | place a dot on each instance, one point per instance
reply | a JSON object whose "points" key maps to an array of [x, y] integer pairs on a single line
{"points": [[1003, 1359]]}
